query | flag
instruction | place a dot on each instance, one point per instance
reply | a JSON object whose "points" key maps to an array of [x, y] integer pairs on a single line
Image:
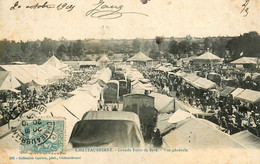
{"points": [[241, 54]]}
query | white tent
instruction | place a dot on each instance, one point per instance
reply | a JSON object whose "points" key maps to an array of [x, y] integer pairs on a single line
{"points": [[187, 108], [163, 103], [8, 82], [140, 57], [179, 115], [246, 60], [54, 62], [197, 134], [203, 83], [104, 59], [237, 92], [54, 72], [248, 139], [249, 96], [208, 57], [73, 110], [27, 73]]}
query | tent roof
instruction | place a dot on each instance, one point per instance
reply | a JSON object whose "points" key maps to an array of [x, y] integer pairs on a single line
{"points": [[106, 133], [248, 139], [249, 96], [199, 134], [90, 63], [162, 123], [27, 73], [105, 75], [21, 72], [179, 115], [180, 74], [117, 57], [112, 115], [204, 83], [226, 91], [208, 56], [52, 71], [246, 60], [188, 108], [53, 61], [104, 58], [8, 82], [191, 77], [140, 57], [163, 103], [72, 109], [237, 91], [3, 75]]}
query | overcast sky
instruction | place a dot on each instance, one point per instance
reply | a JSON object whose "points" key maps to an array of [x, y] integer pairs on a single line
{"points": [[199, 18]]}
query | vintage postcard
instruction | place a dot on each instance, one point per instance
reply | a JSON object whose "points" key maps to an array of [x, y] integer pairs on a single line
{"points": [[129, 81]]}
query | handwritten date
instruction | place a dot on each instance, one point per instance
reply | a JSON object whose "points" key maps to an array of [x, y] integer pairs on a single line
{"points": [[45, 5], [245, 8]]}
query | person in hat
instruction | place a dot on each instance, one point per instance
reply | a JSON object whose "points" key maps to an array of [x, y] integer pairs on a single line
{"points": [[157, 138], [224, 123]]}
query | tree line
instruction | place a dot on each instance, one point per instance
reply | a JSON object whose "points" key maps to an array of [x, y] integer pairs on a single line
{"points": [[37, 52]]}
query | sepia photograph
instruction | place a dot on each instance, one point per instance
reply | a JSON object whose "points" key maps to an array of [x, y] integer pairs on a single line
{"points": [[127, 81]]}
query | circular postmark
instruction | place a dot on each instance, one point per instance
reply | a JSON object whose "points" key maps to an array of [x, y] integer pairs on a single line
{"points": [[43, 135], [36, 131]]}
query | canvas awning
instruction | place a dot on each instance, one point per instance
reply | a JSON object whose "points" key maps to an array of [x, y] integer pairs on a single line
{"points": [[190, 78], [54, 62], [8, 82], [180, 74], [246, 60], [140, 57], [179, 115], [103, 59], [112, 115], [249, 96], [182, 106], [105, 75], [197, 134], [208, 57], [203, 83], [226, 91], [107, 129], [236, 92], [163, 103], [248, 139]]}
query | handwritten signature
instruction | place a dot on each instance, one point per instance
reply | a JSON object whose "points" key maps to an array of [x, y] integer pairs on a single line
{"points": [[104, 11], [245, 8]]}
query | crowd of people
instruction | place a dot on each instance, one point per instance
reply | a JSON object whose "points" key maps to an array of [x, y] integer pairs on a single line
{"points": [[231, 115], [230, 75], [14, 104]]}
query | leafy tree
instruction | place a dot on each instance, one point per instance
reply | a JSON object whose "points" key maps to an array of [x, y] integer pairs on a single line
{"points": [[207, 43], [110, 53], [195, 47], [77, 48], [184, 47], [62, 50], [219, 47], [247, 43], [48, 47], [136, 45], [154, 51], [173, 47]]}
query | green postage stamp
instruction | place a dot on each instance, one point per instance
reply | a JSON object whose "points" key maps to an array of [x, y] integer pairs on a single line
{"points": [[43, 135]]}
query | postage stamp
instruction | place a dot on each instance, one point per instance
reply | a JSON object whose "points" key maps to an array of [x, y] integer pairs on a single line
{"points": [[43, 135]]}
